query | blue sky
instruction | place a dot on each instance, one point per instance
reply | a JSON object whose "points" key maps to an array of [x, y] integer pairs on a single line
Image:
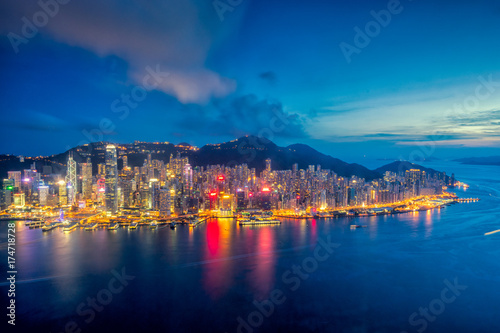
{"points": [[426, 83]]}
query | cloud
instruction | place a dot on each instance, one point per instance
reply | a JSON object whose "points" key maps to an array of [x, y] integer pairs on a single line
{"points": [[269, 76], [176, 35], [37, 121], [242, 115]]}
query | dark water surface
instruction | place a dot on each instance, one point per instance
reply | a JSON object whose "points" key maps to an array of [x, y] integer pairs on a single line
{"points": [[378, 279]]}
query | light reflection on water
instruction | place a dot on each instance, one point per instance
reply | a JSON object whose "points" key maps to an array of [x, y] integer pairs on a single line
{"points": [[375, 280]]}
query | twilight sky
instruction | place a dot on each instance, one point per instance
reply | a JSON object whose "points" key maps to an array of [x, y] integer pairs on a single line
{"points": [[422, 81]]}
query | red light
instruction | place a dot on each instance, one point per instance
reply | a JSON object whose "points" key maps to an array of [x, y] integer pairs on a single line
{"points": [[221, 178], [250, 195], [298, 197], [213, 194]]}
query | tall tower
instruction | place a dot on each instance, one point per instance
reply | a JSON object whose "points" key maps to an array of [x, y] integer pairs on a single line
{"points": [[71, 179], [87, 179], [111, 180]]}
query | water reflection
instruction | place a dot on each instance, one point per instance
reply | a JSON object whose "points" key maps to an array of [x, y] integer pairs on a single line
{"points": [[217, 274], [261, 277]]}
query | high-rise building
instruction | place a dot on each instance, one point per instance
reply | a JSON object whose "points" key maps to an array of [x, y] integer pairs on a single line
{"points": [[71, 179], [125, 161], [87, 179], [165, 202], [63, 193], [111, 181], [16, 175], [43, 194]]}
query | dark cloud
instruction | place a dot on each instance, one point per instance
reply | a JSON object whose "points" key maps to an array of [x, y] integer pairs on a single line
{"points": [[269, 76], [242, 115]]}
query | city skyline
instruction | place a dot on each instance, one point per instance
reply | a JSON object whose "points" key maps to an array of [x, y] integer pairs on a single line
{"points": [[243, 70], [250, 166]]}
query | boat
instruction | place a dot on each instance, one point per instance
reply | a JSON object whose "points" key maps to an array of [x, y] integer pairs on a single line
{"points": [[153, 225], [173, 225], [113, 226], [133, 225], [259, 222], [91, 227], [70, 227], [357, 226]]}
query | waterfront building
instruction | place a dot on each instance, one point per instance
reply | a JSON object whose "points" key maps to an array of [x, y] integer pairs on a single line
{"points": [[111, 181]]}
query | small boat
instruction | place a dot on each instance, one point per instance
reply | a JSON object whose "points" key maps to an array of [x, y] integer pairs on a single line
{"points": [[91, 227], [113, 226], [70, 227], [357, 226], [153, 225], [173, 225], [133, 225]]}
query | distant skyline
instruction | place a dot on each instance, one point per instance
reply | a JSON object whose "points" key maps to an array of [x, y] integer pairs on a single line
{"points": [[424, 81]]}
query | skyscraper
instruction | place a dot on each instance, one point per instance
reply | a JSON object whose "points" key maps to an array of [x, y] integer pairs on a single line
{"points": [[111, 180], [87, 179], [71, 179], [16, 175]]}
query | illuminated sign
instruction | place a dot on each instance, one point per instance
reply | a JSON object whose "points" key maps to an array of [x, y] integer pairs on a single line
{"points": [[266, 189], [221, 178]]}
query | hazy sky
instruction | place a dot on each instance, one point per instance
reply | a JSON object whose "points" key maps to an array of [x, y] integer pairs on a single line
{"points": [[422, 78]]}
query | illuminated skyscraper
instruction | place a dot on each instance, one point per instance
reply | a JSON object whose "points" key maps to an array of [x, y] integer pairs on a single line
{"points": [[87, 179], [71, 177], [16, 175], [43, 194], [111, 181], [63, 193]]}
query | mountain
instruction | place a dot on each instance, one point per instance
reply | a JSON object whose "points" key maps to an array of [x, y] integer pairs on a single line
{"points": [[402, 166], [253, 151], [491, 160], [249, 149]]}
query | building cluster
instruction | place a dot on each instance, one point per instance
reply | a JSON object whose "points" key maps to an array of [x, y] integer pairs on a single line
{"points": [[178, 188]]}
